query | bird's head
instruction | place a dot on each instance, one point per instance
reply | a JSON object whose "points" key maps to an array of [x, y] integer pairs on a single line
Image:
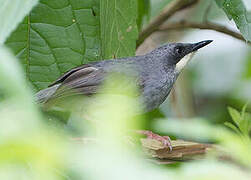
{"points": [[178, 54]]}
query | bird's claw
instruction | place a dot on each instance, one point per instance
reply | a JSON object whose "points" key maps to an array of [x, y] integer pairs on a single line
{"points": [[166, 141]]}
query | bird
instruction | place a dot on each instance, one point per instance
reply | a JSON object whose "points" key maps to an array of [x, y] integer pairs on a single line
{"points": [[153, 73]]}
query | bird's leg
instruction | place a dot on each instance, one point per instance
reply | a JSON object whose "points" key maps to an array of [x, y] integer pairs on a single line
{"points": [[166, 141]]}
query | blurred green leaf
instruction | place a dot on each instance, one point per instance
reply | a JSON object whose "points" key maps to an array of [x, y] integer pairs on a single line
{"points": [[55, 37], [233, 127], [247, 68], [143, 12], [235, 115], [242, 121], [214, 168], [11, 76], [17, 96], [28, 148], [245, 124], [42, 154], [243, 110], [195, 128], [11, 13], [118, 23], [236, 10], [245, 121]]}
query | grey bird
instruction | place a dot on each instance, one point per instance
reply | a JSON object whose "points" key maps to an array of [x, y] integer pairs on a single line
{"points": [[155, 74]]}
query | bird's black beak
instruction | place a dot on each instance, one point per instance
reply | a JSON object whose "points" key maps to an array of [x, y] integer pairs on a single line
{"points": [[201, 44]]}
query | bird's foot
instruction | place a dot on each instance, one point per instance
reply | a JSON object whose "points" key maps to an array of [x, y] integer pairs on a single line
{"points": [[165, 140]]}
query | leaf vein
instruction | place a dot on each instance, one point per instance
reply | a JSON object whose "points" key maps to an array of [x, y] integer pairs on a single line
{"points": [[81, 34], [54, 56]]}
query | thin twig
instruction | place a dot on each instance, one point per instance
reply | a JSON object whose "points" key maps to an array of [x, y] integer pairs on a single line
{"points": [[165, 14], [209, 26]]}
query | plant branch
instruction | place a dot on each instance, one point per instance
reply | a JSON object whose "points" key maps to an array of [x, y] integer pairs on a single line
{"points": [[206, 25], [165, 14]]}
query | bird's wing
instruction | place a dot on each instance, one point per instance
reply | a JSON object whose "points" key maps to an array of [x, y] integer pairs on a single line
{"points": [[80, 81], [67, 74], [85, 80]]}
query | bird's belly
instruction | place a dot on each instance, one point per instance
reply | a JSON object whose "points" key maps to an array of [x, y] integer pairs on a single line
{"points": [[156, 93]]}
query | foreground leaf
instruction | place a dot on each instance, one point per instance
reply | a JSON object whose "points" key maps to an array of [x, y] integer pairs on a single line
{"points": [[233, 127], [12, 83], [235, 115], [12, 13], [245, 124]]}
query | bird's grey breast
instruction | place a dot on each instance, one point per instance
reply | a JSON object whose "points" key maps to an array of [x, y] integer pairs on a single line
{"points": [[158, 84]]}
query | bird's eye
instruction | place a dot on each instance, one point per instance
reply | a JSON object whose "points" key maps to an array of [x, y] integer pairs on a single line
{"points": [[178, 50]]}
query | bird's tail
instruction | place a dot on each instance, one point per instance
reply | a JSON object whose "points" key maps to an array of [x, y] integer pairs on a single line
{"points": [[44, 95]]}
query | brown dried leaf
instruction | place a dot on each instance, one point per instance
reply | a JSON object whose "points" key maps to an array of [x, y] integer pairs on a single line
{"points": [[182, 150]]}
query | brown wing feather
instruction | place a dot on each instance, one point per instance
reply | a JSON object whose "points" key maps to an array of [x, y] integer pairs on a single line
{"points": [[68, 73], [84, 81]]}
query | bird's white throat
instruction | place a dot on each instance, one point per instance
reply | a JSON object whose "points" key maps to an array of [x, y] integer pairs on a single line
{"points": [[183, 62]]}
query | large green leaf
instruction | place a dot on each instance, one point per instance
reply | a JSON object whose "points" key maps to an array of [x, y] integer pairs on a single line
{"points": [[56, 36], [118, 28], [236, 10], [11, 13]]}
